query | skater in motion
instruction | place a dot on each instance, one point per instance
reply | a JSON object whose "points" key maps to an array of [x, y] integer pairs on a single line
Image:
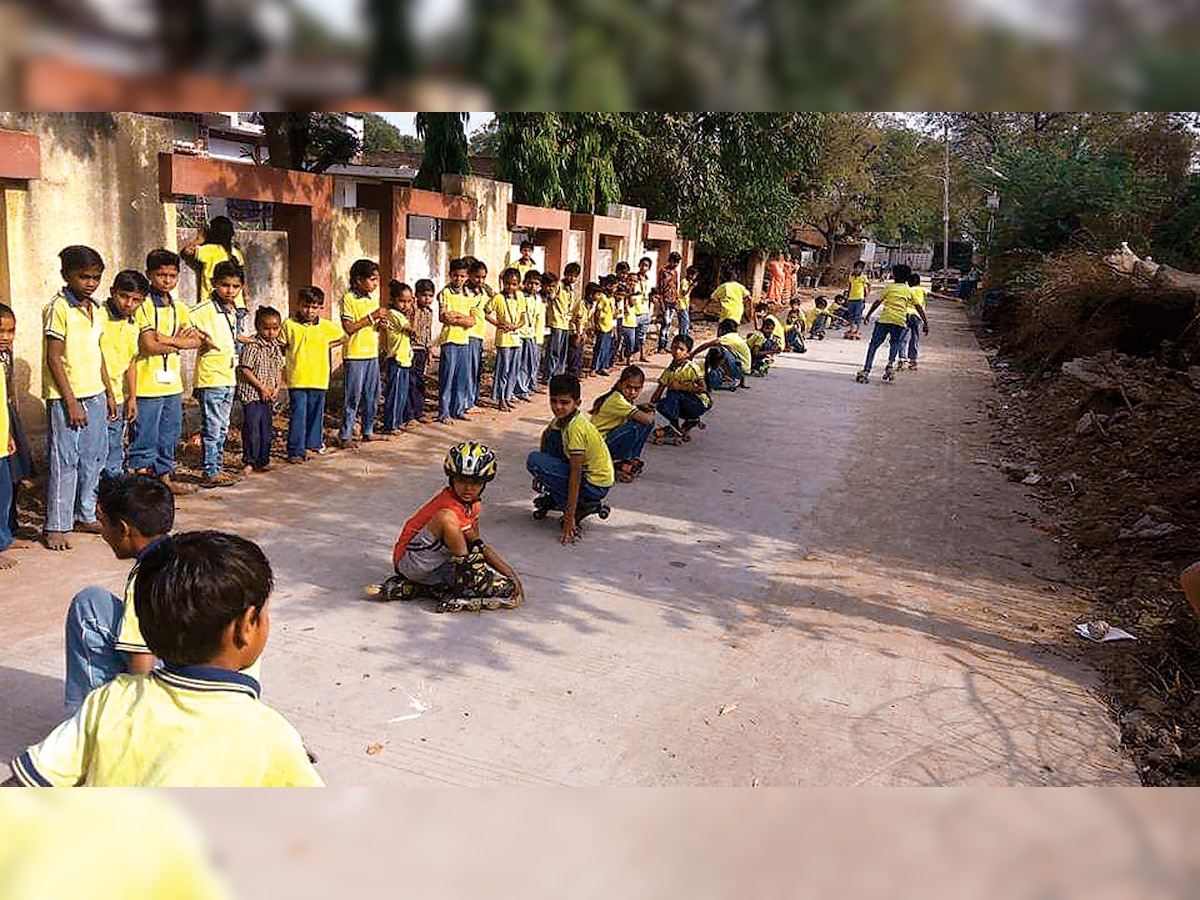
{"points": [[896, 299], [440, 554]]}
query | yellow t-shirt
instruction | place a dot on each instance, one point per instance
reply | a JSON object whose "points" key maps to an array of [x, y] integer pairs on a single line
{"points": [[894, 302], [508, 310], [778, 332], [558, 315], [579, 316], [735, 342], [755, 342], [640, 295], [180, 726], [732, 297], [209, 255], [158, 375], [459, 302], [580, 436], [399, 342], [687, 376], [306, 352], [364, 343], [119, 346], [859, 285], [216, 368], [684, 300], [612, 412], [810, 315], [66, 319], [479, 304], [605, 314], [628, 313], [918, 299], [534, 314]]}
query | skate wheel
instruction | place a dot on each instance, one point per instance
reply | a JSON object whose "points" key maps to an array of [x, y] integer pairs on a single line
{"points": [[539, 514], [603, 512]]}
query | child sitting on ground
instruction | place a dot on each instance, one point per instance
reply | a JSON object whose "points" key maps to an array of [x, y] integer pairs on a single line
{"points": [[820, 317], [738, 360], [794, 328], [572, 466], [763, 344], [201, 599], [623, 423], [440, 554], [682, 394]]}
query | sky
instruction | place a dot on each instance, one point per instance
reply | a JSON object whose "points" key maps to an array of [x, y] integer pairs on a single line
{"points": [[406, 121]]}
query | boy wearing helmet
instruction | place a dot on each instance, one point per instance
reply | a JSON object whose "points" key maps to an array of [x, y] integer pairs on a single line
{"points": [[440, 555]]}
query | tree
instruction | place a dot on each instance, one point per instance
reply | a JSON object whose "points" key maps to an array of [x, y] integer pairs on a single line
{"points": [[838, 200], [485, 140], [380, 135], [310, 142], [445, 148]]}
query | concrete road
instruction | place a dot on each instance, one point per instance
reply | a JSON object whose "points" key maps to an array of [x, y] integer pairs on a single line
{"points": [[824, 588]]}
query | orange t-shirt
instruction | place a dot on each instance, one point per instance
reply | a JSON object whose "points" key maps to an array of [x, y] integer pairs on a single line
{"points": [[467, 513]]}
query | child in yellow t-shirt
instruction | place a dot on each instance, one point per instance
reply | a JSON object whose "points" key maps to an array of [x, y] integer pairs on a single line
{"points": [[858, 286], [14, 454], [896, 299], [912, 323], [363, 320], [119, 346], [682, 395], [398, 355], [507, 314], [623, 423], [604, 323], [306, 339], [577, 319]]}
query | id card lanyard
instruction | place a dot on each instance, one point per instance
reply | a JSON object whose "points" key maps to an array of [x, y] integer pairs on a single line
{"points": [[174, 325]]}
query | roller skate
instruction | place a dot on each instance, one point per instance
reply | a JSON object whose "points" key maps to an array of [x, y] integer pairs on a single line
{"points": [[542, 504], [477, 586], [912, 365], [862, 377], [889, 375], [397, 587], [585, 508]]}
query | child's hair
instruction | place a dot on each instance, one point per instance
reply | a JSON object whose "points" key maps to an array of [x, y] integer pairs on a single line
{"points": [[795, 301], [685, 339], [900, 273], [572, 269], [622, 267], [526, 245], [159, 259], [361, 270], [396, 288], [424, 285], [533, 275], [458, 265], [311, 294], [714, 359], [227, 269], [730, 273], [141, 502], [859, 265], [6, 312], [78, 257], [510, 272], [263, 313], [565, 385], [767, 325], [760, 307], [691, 271], [674, 257], [654, 292], [645, 259], [477, 265], [220, 231], [593, 288], [628, 373], [131, 282], [549, 277], [727, 326], [914, 280], [820, 303], [189, 588]]}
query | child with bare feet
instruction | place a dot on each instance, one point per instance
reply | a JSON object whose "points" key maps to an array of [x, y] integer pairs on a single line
{"points": [[8, 448], [260, 374]]}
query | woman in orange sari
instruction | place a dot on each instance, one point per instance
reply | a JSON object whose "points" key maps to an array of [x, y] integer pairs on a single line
{"points": [[776, 275]]}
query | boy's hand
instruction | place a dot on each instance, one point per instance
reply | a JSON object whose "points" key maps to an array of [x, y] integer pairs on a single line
{"points": [[925, 329], [568, 528], [75, 414], [111, 402], [131, 410]]}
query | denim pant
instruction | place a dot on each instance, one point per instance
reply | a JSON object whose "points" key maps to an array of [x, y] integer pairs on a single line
{"points": [[554, 473], [685, 320], [820, 323], [362, 390], [894, 334], [628, 340], [475, 371], [256, 432], [154, 434], [794, 340], [575, 347], [627, 440], [556, 353], [914, 337], [681, 405], [114, 457], [306, 408], [8, 503], [664, 329], [639, 333], [527, 366], [396, 400], [602, 354], [415, 404], [93, 625], [76, 457], [452, 381], [215, 404], [504, 388]]}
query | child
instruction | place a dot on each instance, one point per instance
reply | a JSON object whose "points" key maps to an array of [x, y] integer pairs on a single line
{"points": [[456, 315], [10, 469], [507, 313], [261, 371], [577, 321], [763, 345], [627, 310], [859, 285], [201, 599], [164, 328], [572, 466], [895, 299], [306, 339], [913, 319], [559, 301], [215, 245], [682, 395], [440, 554], [104, 638], [737, 351], [658, 313], [794, 328], [216, 368], [640, 292], [531, 335], [718, 370], [732, 295], [623, 423], [362, 320], [774, 320], [399, 354], [819, 318], [525, 261], [481, 295], [119, 346], [684, 307], [668, 292], [422, 339], [78, 398], [604, 321]]}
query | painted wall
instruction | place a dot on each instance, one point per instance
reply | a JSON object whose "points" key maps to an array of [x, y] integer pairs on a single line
{"points": [[575, 244], [266, 254], [355, 236], [488, 237], [427, 259]]}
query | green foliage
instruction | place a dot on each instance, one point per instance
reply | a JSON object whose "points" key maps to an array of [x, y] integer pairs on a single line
{"points": [[1177, 238], [445, 148], [381, 135], [311, 142]]}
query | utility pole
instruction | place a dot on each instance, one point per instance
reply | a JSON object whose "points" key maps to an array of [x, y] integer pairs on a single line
{"points": [[946, 198]]}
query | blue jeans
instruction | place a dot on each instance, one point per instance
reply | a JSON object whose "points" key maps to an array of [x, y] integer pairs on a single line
{"points": [[256, 433], [452, 381], [396, 400], [527, 365], [8, 503], [215, 404], [602, 354], [362, 389], [639, 333], [627, 440], [76, 457], [475, 371], [894, 334], [93, 625], [675, 406], [556, 352], [914, 337], [554, 473], [415, 404], [575, 347], [154, 434], [664, 327], [114, 457], [685, 321], [504, 388], [794, 340], [306, 408], [628, 340], [854, 311]]}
